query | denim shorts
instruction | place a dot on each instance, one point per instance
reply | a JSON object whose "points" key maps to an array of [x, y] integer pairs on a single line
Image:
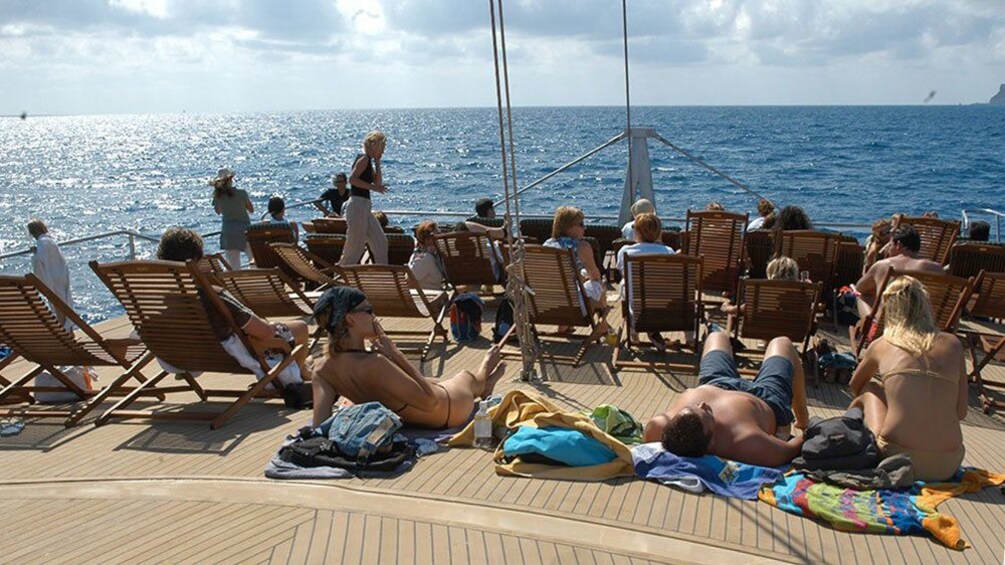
{"points": [[773, 384]]}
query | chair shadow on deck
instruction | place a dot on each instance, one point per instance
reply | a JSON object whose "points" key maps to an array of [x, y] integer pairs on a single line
{"points": [[42, 435], [196, 439]]}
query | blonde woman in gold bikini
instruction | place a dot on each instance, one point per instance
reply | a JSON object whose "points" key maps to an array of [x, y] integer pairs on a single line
{"points": [[912, 385]]}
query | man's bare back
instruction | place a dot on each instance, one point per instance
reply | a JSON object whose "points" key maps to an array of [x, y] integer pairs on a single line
{"points": [[904, 246]]}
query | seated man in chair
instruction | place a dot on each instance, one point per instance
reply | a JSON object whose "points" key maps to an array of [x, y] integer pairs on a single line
{"points": [[734, 418]]}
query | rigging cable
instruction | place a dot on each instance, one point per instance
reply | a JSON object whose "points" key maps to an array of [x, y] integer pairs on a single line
{"points": [[628, 100]]}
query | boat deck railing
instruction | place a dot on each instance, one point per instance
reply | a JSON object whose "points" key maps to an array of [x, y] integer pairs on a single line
{"points": [[984, 212]]}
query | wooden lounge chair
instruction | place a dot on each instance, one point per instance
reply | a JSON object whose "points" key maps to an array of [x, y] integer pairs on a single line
{"points": [[399, 248], [331, 225], [969, 258], [213, 266], [662, 294], [718, 237], [760, 248], [937, 236], [162, 300], [537, 228], [948, 294], [557, 296], [310, 267], [774, 308], [393, 292], [260, 236], [814, 251], [989, 337], [327, 246], [850, 259], [604, 235], [467, 259], [35, 333], [267, 292]]}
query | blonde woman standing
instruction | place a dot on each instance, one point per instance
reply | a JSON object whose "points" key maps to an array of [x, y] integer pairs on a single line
{"points": [[362, 227], [912, 385]]}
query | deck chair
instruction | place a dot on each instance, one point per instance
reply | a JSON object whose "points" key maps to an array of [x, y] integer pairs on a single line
{"points": [[718, 237], [605, 235], [393, 292], [672, 239], [937, 236], [399, 248], [162, 300], [331, 225], [267, 292], [537, 228], [986, 336], [213, 266], [774, 308], [467, 259], [557, 296], [34, 332], [760, 247], [327, 246], [260, 236], [814, 251], [850, 259], [308, 227], [948, 294], [310, 267], [662, 294], [969, 258]]}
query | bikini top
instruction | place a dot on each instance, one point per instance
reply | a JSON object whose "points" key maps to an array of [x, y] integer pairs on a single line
{"points": [[918, 373]]}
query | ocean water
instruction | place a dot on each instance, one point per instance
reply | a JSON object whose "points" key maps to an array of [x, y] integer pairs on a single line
{"points": [[90, 174]]}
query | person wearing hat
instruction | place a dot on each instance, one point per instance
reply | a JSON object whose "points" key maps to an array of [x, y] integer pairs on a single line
{"points": [[382, 374], [336, 197], [362, 229], [234, 205], [485, 208]]}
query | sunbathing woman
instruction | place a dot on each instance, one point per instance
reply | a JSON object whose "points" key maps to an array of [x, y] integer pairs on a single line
{"points": [[916, 401], [382, 374]]}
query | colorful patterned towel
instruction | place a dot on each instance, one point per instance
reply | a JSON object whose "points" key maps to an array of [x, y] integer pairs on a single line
{"points": [[899, 512]]}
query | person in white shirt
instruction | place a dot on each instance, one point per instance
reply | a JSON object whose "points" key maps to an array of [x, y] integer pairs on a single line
{"points": [[641, 206], [765, 209], [49, 265], [425, 261], [648, 233]]}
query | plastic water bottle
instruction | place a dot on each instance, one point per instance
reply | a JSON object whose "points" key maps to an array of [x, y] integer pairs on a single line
{"points": [[483, 427]]}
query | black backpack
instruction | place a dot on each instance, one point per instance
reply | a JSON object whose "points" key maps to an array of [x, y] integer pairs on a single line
{"points": [[838, 444], [504, 320], [323, 452]]}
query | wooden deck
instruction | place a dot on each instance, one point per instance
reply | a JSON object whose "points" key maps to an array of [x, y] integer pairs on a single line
{"points": [[137, 491]]}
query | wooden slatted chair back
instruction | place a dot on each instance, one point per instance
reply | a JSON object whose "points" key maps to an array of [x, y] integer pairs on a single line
{"points": [[212, 266], [331, 225], [466, 258], [990, 302], [814, 251], [850, 259], [260, 236], [308, 227], [558, 297], [664, 292], [307, 265], [391, 290], [778, 308], [327, 246], [164, 303], [399, 248], [30, 327], [539, 229], [948, 296], [937, 236], [266, 292], [760, 248], [605, 235], [718, 237], [672, 239], [968, 259]]}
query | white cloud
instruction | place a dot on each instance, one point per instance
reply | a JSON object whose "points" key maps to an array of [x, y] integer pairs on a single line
{"points": [[155, 8]]}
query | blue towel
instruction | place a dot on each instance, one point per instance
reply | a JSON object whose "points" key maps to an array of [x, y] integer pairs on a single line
{"points": [[571, 447], [695, 474]]}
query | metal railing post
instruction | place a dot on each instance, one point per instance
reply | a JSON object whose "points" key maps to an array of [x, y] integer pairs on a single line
{"points": [[132, 247]]}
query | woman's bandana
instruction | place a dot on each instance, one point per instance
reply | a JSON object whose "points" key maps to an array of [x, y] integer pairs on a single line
{"points": [[336, 303]]}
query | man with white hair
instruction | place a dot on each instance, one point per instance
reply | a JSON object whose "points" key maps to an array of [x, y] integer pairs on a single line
{"points": [[641, 206]]}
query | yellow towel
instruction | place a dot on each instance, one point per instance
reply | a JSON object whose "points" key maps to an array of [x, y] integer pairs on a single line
{"points": [[521, 408]]}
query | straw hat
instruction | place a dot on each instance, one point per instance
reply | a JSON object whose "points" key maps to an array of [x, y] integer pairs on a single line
{"points": [[222, 174]]}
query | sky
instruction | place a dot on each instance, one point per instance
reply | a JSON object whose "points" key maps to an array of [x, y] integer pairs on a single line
{"points": [[139, 56]]}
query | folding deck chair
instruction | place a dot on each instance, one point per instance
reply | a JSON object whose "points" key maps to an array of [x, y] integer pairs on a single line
{"points": [[986, 336], [775, 308], [937, 236], [537, 228], [327, 246], [162, 300], [760, 247], [33, 331], [260, 236], [814, 251], [393, 292], [948, 295], [718, 237], [267, 292], [850, 259], [663, 293], [310, 267], [468, 259], [969, 258], [557, 296], [399, 248], [330, 225]]}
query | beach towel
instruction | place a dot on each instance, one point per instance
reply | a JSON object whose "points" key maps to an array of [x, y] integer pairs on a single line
{"points": [[697, 474], [618, 423], [561, 445], [520, 408], [899, 512]]}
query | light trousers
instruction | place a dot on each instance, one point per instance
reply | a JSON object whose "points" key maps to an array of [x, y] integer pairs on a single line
{"points": [[362, 229]]}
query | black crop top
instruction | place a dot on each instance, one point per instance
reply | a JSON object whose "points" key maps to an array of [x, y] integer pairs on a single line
{"points": [[366, 175]]}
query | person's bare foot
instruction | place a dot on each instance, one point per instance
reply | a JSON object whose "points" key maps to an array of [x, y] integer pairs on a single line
{"points": [[492, 379]]}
